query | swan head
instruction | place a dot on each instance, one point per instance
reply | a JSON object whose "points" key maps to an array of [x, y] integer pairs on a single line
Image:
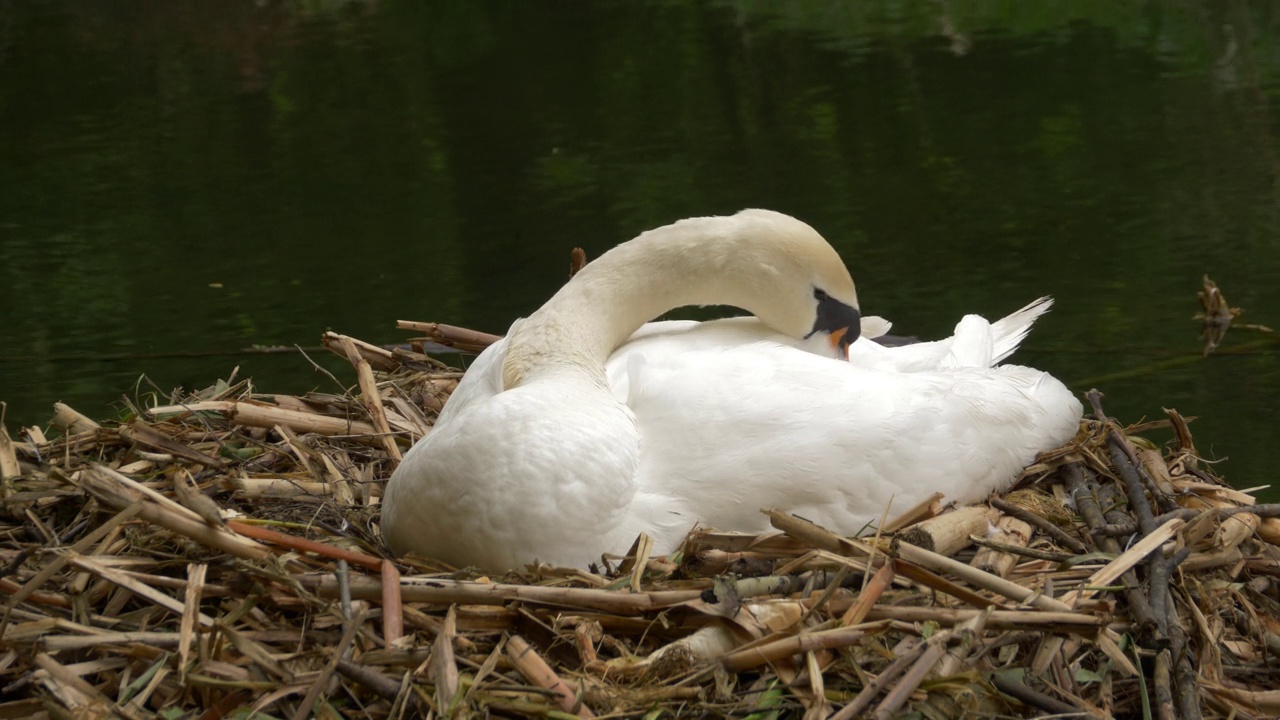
{"points": [[799, 285]]}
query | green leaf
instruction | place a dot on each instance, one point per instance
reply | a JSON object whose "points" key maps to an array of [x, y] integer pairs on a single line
{"points": [[1086, 676]]}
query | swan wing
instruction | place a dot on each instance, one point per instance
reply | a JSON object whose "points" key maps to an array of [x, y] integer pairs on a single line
{"points": [[725, 433]]}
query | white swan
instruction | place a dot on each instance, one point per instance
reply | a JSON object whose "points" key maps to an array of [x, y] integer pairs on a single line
{"points": [[559, 444]]}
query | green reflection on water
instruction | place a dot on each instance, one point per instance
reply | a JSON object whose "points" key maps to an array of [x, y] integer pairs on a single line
{"points": [[343, 165]]}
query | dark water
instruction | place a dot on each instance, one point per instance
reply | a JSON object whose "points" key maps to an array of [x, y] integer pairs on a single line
{"points": [[182, 180]]}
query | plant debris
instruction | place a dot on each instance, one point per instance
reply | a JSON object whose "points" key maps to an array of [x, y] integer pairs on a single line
{"points": [[1217, 316], [218, 555]]}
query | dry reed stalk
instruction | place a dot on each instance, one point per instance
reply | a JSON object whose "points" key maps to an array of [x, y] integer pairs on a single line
{"points": [[196, 573], [451, 335], [304, 545], [536, 670], [322, 680], [119, 491], [72, 421], [1010, 531], [1038, 620], [143, 434], [978, 578], [444, 591], [771, 652], [276, 635], [934, 581], [970, 631], [75, 693], [949, 533], [351, 348], [921, 511], [442, 669], [9, 467], [934, 649], [869, 596], [1122, 564], [256, 414], [1269, 530], [1044, 525], [1233, 528], [249, 487], [392, 610], [372, 398]]}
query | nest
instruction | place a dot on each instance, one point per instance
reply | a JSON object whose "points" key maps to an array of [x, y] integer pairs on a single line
{"points": [[218, 556]]}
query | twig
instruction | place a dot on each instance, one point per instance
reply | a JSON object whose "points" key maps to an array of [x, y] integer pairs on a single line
{"points": [[1034, 698], [1041, 523]]}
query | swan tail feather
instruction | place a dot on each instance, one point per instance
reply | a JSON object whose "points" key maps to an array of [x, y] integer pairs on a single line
{"points": [[1008, 332]]}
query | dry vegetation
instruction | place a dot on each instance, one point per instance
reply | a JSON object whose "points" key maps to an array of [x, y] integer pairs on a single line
{"points": [[221, 554]]}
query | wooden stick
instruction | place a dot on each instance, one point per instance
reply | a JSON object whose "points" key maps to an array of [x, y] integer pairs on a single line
{"points": [[1112, 571], [63, 643], [1093, 517], [537, 671], [1033, 698]]}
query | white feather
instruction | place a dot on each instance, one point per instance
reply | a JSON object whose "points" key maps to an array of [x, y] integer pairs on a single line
{"points": [[709, 423]]}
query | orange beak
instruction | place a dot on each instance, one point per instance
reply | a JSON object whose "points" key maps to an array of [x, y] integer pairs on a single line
{"points": [[838, 344]]}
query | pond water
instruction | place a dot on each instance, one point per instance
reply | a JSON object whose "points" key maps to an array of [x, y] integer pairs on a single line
{"points": [[181, 181]]}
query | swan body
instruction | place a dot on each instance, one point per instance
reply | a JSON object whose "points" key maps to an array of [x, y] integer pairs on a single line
{"points": [[585, 426]]}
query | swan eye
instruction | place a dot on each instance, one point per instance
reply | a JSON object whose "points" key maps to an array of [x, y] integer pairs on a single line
{"points": [[820, 295]]}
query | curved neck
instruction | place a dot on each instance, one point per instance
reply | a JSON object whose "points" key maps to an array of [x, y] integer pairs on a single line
{"points": [[700, 261]]}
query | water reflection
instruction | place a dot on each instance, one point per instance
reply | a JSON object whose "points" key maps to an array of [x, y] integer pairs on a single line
{"points": [[202, 177]]}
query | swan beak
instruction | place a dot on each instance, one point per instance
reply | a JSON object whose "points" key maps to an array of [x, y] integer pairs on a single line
{"points": [[840, 341]]}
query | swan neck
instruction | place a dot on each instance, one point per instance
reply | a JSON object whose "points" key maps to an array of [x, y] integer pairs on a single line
{"points": [[691, 262]]}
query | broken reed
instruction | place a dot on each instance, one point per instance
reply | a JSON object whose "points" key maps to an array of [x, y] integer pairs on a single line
{"points": [[219, 551]]}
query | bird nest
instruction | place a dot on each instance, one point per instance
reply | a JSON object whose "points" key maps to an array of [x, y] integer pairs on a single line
{"points": [[217, 554]]}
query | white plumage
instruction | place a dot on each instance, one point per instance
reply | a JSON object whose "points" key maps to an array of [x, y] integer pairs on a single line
{"points": [[582, 429]]}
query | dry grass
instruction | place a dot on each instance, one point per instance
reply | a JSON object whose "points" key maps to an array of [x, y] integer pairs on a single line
{"points": [[221, 554]]}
